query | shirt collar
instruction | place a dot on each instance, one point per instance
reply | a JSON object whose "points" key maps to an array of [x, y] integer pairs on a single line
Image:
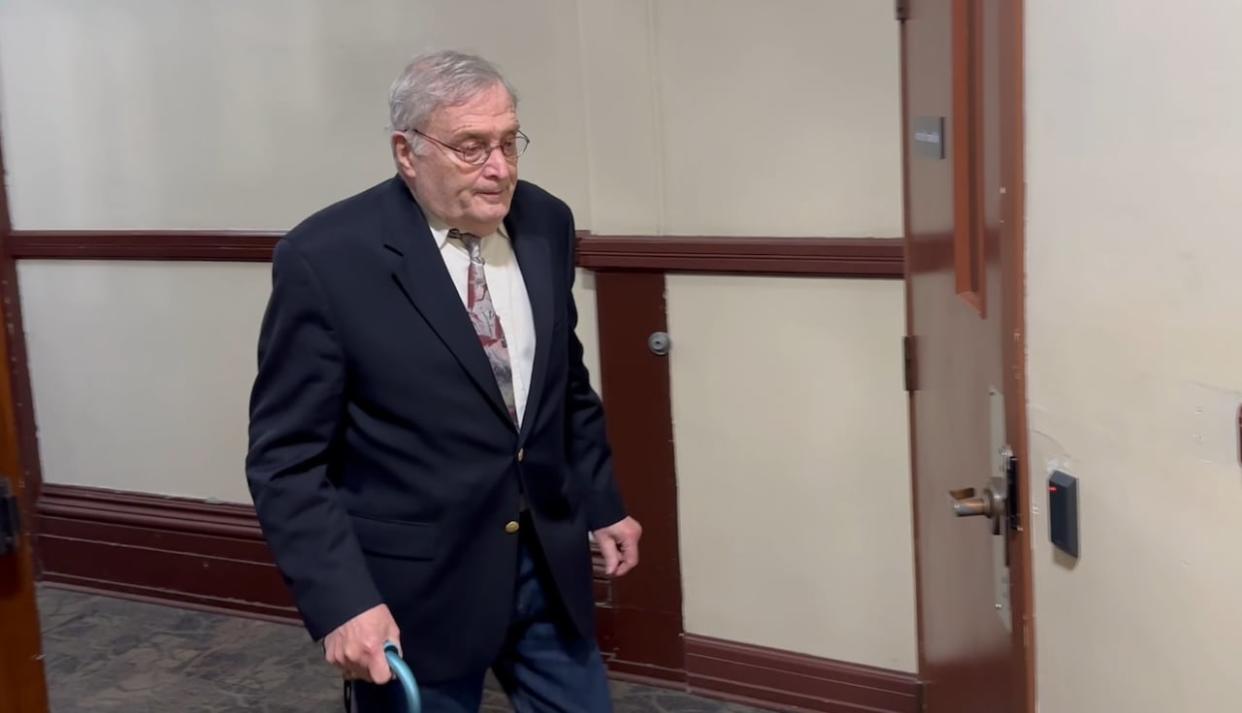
{"points": [[440, 230]]}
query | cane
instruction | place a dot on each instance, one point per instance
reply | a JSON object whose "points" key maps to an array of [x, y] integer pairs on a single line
{"points": [[403, 676]]}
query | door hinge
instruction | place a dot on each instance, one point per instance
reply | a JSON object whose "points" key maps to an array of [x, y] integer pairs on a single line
{"points": [[902, 9], [10, 520], [911, 360]]}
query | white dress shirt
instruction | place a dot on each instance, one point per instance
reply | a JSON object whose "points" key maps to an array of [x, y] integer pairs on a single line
{"points": [[509, 298]]}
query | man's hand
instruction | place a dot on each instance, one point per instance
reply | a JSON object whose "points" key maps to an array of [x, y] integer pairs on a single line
{"points": [[619, 544], [356, 647]]}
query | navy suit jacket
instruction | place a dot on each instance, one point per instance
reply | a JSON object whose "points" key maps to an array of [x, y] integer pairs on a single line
{"points": [[383, 464]]}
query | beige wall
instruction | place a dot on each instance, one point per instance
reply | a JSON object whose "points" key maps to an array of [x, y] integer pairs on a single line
{"points": [[588, 328], [1134, 301], [736, 117], [690, 117], [780, 118], [177, 114], [793, 465], [141, 372], [788, 412]]}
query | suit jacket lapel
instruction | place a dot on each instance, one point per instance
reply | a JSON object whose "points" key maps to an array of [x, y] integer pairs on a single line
{"points": [[534, 259], [420, 272]]}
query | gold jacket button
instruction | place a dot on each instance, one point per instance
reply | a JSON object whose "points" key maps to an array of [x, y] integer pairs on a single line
{"points": [[521, 455], [512, 527]]}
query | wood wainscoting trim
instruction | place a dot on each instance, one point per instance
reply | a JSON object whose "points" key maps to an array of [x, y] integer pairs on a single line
{"points": [[209, 555], [808, 257], [206, 246], [757, 674]]}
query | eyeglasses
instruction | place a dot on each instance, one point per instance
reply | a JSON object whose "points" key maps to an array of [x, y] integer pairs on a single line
{"points": [[476, 153]]}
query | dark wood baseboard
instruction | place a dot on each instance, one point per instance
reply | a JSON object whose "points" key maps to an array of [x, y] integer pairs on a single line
{"points": [[766, 676], [176, 550], [808, 257], [212, 557], [206, 556]]}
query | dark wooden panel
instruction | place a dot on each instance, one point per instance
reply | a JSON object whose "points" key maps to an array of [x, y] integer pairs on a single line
{"points": [[154, 511], [142, 245], [146, 537], [209, 554], [225, 584], [648, 644], [823, 257], [635, 385], [648, 674]]}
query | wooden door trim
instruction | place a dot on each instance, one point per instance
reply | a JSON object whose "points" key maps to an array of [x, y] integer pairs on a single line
{"points": [[1013, 166], [24, 680], [17, 366], [970, 262]]}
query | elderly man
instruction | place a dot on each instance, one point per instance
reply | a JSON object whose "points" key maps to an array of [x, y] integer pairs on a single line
{"points": [[427, 456]]}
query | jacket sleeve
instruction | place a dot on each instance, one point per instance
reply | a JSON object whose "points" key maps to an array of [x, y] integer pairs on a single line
{"points": [[590, 456], [296, 409]]}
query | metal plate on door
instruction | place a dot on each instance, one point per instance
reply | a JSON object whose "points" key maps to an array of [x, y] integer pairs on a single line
{"points": [[1000, 455]]}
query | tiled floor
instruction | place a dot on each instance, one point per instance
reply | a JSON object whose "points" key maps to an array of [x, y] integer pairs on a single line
{"points": [[105, 654]]}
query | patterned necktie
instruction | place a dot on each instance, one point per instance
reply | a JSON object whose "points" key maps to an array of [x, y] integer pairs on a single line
{"points": [[486, 321]]}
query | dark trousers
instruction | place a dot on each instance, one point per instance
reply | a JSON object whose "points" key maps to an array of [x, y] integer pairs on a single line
{"points": [[544, 667]]}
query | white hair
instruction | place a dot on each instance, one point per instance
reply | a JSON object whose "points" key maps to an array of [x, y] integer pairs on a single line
{"points": [[435, 80]]}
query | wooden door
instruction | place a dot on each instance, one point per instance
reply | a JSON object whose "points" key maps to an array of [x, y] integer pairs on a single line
{"points": [[22, 685], [962, 93]]}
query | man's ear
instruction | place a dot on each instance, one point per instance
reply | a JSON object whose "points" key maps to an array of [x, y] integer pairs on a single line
{"points": [[403, 154]]}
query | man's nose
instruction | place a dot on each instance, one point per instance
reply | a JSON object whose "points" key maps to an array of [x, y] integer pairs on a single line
{"points": [[497, 166]]}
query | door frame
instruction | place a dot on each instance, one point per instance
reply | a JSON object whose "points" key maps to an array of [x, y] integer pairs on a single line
{"points": [[21, 394], [1013, 315], [1013, 168], [21, 659]]}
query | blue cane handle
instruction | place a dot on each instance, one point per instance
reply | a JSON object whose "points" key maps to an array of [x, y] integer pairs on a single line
{"points": [[404, 676]]}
